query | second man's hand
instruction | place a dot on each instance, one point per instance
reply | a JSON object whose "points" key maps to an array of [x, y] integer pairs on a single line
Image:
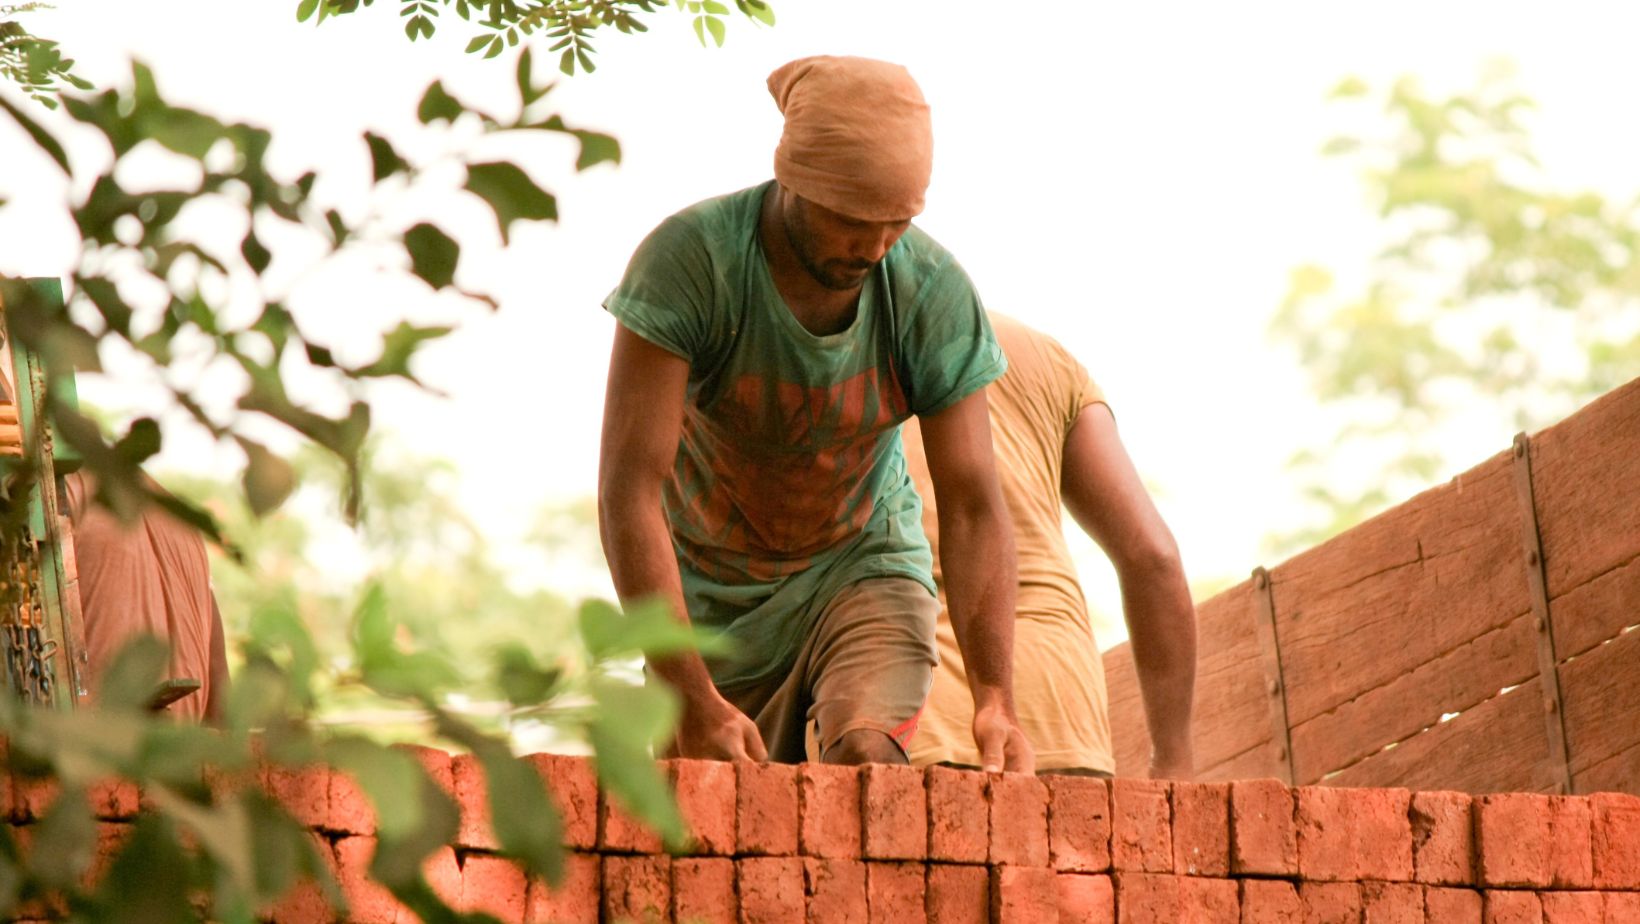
{"points": [[1002, 744]]}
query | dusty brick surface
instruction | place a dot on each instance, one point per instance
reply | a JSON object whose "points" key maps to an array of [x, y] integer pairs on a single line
{"points": [[1622, 906], [1512, 838], [1392, 903], [1330, 902], [1459, 906], [1211, 901], [1571, 851], [114, 800], [443, 873], [1086, 898], [958, 815], [1141, 834], [1573, 908], [31, 797], [1351, 834], [1019, 819], [706, 799], [1024, 895], [894, 813], [771, 890], [895, 892], [1443, 841], [1270, 901], [639, 888], [766, 809], [305, 902], [1201, 829], [493, 885], [829, 798], [1510, 906], [1616, 819], [1144, 898], [1263, 835], [958, 894], [367, 902], [304, 792], [1078, 823], [572, 783], [467, 782], [575, 900], [836, 890], [703, 890], [349, 811], [619, 831]]}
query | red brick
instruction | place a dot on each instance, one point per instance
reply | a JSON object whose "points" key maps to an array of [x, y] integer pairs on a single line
{"points": [[1506, 906], [1024, 895], [1392, 903], [1570, 843], [639, 888], [304, 792], [829, 795], [1201, 829], [1263, 835], [1270, 901], [1146, 898], [1512, 839], [111, 839], [1622, 906], [367, 901], [572, 783], [959, 894], [958, 815], [619, 831], [576, 898], [836, 890], [1330, 902], [706, 799], [443, 874], [1208, 901], [1141, 836], [348, 811], [766, 809], [436, 763], [895, 892], [467, 779], [1078, 823], [32, 797], [1085, 898], [771, 890], [1573, 908], [1443, 838], [703, 890], [1354, 834], [1616, 840], [114, 800], [305, 902], [1457, 906], [893, 813], [494, 885], [1019, 819]]}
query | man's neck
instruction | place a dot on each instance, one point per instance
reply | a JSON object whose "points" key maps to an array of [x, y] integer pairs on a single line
{"points": [[819, 309]]}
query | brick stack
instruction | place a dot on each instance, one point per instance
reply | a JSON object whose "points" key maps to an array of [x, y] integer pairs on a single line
{"points": [[775, 844]]}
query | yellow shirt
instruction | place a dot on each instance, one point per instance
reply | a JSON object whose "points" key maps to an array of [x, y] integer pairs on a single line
{"points": [[1059, 679]]}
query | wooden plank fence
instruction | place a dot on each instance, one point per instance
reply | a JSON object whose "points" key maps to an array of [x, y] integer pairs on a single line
{"points": [[1415, 649]]}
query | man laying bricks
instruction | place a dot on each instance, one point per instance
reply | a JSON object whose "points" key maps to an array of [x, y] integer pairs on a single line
{"points": [[1056, 442], [770, 342]]}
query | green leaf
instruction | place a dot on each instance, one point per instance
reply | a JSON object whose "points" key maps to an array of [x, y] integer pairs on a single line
{"points": [[184, 131], [700, 30], [398, 346], [42, 138], [478, 41], [254, 253], [140, 442], [566, 61], [148, 880], [627, 722], [268, 479], [715, 8], [1348, 88], [646, 628], [522, 680], [64, 840], [433, 254], [136, 671], [596, 147], [384, 161], [716, 27], [528, 92], [305, 9], [511, 194], [437, 105]]}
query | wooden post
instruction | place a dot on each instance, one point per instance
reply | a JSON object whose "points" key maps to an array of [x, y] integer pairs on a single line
{"points": [[1554, 711]]}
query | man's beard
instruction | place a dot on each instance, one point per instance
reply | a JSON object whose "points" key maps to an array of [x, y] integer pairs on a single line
{"points": [[837, 275]]}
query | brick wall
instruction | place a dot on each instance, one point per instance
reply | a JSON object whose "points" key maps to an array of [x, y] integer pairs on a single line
{"points": [[777, 843]]}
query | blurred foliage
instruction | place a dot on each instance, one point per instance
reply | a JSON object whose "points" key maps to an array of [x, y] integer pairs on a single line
{"points": [[1496, 296], [567, 24], [35, 65], [180, 299]]}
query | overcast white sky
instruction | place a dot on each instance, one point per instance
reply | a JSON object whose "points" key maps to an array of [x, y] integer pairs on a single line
{"points": [[1137, 179]]}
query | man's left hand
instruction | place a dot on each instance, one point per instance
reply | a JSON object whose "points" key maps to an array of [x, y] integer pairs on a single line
{"points": [[1002, 745]]}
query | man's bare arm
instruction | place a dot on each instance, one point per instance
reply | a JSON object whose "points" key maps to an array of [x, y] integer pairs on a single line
{"points": [[643, 416], [1106, 497], [981, 573]]}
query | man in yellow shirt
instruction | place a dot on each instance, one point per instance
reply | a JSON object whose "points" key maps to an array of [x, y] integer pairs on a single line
{"points": [[1055, 443]]}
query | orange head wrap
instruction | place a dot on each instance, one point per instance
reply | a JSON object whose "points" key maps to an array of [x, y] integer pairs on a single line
{"points": [[858, 138]]}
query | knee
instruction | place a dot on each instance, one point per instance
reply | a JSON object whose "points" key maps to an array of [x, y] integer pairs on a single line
{"points": [[864, 746]]}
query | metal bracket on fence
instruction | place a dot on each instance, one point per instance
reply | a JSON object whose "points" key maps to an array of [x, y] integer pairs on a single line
{"points": [[1554, 712], [1265, 629]]}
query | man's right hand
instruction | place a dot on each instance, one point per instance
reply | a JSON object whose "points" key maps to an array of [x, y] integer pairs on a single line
{"points": [[719, 731]]}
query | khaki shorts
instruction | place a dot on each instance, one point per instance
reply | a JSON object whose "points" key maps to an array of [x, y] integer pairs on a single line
{"points": [[868, 663]]}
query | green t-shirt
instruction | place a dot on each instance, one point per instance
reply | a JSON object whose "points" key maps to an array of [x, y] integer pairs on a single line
{"points": [[789, 482]]}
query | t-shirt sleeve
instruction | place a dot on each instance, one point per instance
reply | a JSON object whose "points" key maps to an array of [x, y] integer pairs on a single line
{"points": [[666, 294], [947, 346]]}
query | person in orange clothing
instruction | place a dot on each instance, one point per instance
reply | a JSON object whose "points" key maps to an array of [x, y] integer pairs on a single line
{"points": [[1055, 443]]}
